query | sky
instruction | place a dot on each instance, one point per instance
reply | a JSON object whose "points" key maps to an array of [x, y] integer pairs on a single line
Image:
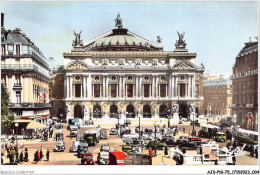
{"points": [[216, 31]]}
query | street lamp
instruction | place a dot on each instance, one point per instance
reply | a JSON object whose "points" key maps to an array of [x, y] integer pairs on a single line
{"points": [[155, 137], [169, 117], [16, 126]]}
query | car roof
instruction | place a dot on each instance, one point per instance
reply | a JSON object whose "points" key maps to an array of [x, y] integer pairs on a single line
{"points": [[83, 144], [87, 154]]}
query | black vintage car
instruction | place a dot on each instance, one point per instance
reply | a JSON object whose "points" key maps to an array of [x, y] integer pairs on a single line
{"points": [[170, 141], [82, 148]]}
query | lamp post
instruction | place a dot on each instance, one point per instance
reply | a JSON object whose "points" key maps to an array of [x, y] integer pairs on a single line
{"points": [[155, 137], [16, 126], [137, 113]]}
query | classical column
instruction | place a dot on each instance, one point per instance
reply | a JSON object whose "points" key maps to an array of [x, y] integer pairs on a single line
{"points": [[84, 86], [120, 86], [176, 86], [123, 86], [107, 79], [189, 86], [104, 87], [137, 86], [172, 83], [71, 90], [193, 86], [153, 86], [67, 85], [89, 86], [156, 86], [140, 86]]}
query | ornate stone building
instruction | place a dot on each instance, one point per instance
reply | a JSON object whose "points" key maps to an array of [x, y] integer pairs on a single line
{"points": [[26, 74], [121, 73], [217, 96], [245, 86]]}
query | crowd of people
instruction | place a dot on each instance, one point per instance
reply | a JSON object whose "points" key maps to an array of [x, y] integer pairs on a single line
{"points": [[13, 154]]}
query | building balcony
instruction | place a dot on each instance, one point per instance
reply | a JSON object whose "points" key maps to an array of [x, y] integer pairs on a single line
{"points": [[29, 105], [25, 67]]}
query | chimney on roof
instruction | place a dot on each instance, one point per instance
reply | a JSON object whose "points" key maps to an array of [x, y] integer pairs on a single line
{"points": [[250, 39], [256, 38], [2, 20]]}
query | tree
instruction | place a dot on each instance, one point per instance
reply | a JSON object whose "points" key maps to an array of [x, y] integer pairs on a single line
{"points": [[6, 118]]}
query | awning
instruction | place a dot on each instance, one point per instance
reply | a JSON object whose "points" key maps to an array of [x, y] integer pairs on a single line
{"points": [[21, 121], [35, 125]]}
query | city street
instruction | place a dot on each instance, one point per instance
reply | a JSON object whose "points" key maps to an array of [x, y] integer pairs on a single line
{"points": [[67, 158]]}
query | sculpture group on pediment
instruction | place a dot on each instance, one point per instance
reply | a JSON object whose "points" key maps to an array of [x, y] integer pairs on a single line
{"points": [[77, 41], [180, 43]]}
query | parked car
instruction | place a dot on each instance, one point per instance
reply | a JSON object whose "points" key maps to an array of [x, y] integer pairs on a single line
{"points": [[82, 148], [74, 146], [60, 146], [73, 131], [170, 141], [220, 137], [103, 155], [103, 158], [80, 137], [113, 131], [59, 135], [103, 134], [105, 147], [182, 139], [127, 149], [92, 136], [156, 144], [87, 159]]}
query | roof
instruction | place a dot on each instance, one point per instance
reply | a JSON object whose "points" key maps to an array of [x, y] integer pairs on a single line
{"points": [[120, 38], [22, 121], [249, 47], [87, 154], [220, 82], [209, 126], [118, 154], [35, 125]]}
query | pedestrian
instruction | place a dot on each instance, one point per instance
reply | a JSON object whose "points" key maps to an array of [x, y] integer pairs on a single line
{"points": [[21, 156], [22, 143], [16, 155], [184, 151], [183, 130], [216, 162], [12, 155], [256, 152], [41, 153], [150, 152], [252, 151], [166, 151], [38, 155], [35, 157], [47, 154], [26, 155], [234, 158]]}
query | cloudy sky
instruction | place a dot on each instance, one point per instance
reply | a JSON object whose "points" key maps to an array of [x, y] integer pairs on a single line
{"points": [[217, 31]]}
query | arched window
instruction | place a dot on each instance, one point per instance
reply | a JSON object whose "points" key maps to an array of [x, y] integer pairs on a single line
{"points": [[130, 111], [147, 111], [163, 111], [97, 111], [78, 112], [113, 111]]}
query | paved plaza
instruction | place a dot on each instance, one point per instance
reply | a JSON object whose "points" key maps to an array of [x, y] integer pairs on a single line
{"points": [[68, 158]]}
